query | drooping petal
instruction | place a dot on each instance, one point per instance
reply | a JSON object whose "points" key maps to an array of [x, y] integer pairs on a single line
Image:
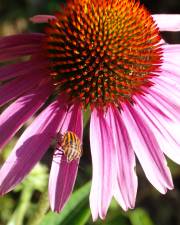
{"points": [[31, 146], [18, 86], [63, 174], [171, 53], [147, 150], [170, 70], [167, 105], [168, 22], [42, 18], [171, 48], [125, 158], [169, 143], [61, 181], [73, 121], [21, 69], [169, 75], [169, 88], [19, 40], [18, 112], [19, 51], [102, 152], [20, 45]]}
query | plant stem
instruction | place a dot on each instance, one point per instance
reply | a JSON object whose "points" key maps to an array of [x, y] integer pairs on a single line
{"points": [[42, 207], [19, 213]]}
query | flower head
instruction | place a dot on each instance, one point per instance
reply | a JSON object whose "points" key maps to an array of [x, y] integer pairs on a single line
{"points": [[108, 55], [103, 52]]}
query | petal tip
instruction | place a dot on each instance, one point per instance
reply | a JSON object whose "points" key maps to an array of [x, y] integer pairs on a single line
{"points": [[41, 18], [94, 217]]}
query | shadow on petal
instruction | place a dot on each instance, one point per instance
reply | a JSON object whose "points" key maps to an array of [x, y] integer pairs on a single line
{"points": [[63, 174], [62, 179]]}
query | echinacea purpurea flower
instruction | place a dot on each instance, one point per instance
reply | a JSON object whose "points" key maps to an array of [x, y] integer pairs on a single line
{"points": [[109, 56]]}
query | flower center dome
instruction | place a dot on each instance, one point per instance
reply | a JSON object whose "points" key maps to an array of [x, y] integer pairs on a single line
{"points": [[103, 51]]}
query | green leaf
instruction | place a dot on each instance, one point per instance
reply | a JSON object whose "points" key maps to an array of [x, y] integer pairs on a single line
{"points": [[140, 217], [82, 217], [76, 211]]}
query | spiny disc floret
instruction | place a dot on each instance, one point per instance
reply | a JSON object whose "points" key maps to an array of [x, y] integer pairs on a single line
{"points": [[102, 51]]}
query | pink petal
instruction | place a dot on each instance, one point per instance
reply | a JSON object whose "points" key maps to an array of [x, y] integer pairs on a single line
{"points": [[16, 87], [20, 69], [167, 104], [31, 146], [171, 53], [168, 22], [104, 170], [20, 45], [61, 181], [20, 40], [73, 121], [18, 112], [168, 87], [171, 48], [147, 150], [166, 98], [169, 143], [15, 52], [63, 174], [42, 18], [126, 176], [170, 70]]}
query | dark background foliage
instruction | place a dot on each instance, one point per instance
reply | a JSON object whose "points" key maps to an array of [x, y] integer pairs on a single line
{"points": [[163, 210]]}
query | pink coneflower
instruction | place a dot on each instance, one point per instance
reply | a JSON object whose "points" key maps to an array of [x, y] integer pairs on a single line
{"points": [[106, 55]]}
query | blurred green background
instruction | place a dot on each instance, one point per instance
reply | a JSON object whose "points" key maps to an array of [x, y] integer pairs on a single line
{"points": [[19, 207]]}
